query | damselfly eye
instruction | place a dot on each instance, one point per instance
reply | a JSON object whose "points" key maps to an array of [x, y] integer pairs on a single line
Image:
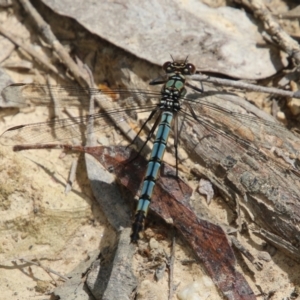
{"points": [[168, 67], [189, 69]]}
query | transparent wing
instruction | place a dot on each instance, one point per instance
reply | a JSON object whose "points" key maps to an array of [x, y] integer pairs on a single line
{"points": [[111, 113], [210, 112], [24, 95], [217, 115]]}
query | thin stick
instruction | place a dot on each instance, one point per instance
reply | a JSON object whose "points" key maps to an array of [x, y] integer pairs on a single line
{"points": [[245, 86], [72, 175], [89, 135], [74, 165], [90, 139], [286, 43], [258, 265], [68, 61], [30, 50], [277, 241], [48, 270], [56, 104], [171, 268], [46, 31]]}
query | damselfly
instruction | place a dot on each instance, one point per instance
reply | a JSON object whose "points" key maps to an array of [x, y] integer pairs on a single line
{"points": [[175, 108]]}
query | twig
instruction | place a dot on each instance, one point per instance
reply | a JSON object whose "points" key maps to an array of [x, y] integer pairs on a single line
{"points": [[171, 268], [90, 124], [56, 104], [48, 270], [74, 69], [72, 174], [291, 14], [286, 43], [258, 265], [279, 243], [29, 49], [57, 114], [46, 31], [245, 86]]}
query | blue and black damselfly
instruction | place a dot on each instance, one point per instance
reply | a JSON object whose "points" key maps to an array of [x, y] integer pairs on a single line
{"points": [[176, 109]]}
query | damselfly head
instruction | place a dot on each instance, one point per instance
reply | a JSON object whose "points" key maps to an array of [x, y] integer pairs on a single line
{"points": [[179, 66]]}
